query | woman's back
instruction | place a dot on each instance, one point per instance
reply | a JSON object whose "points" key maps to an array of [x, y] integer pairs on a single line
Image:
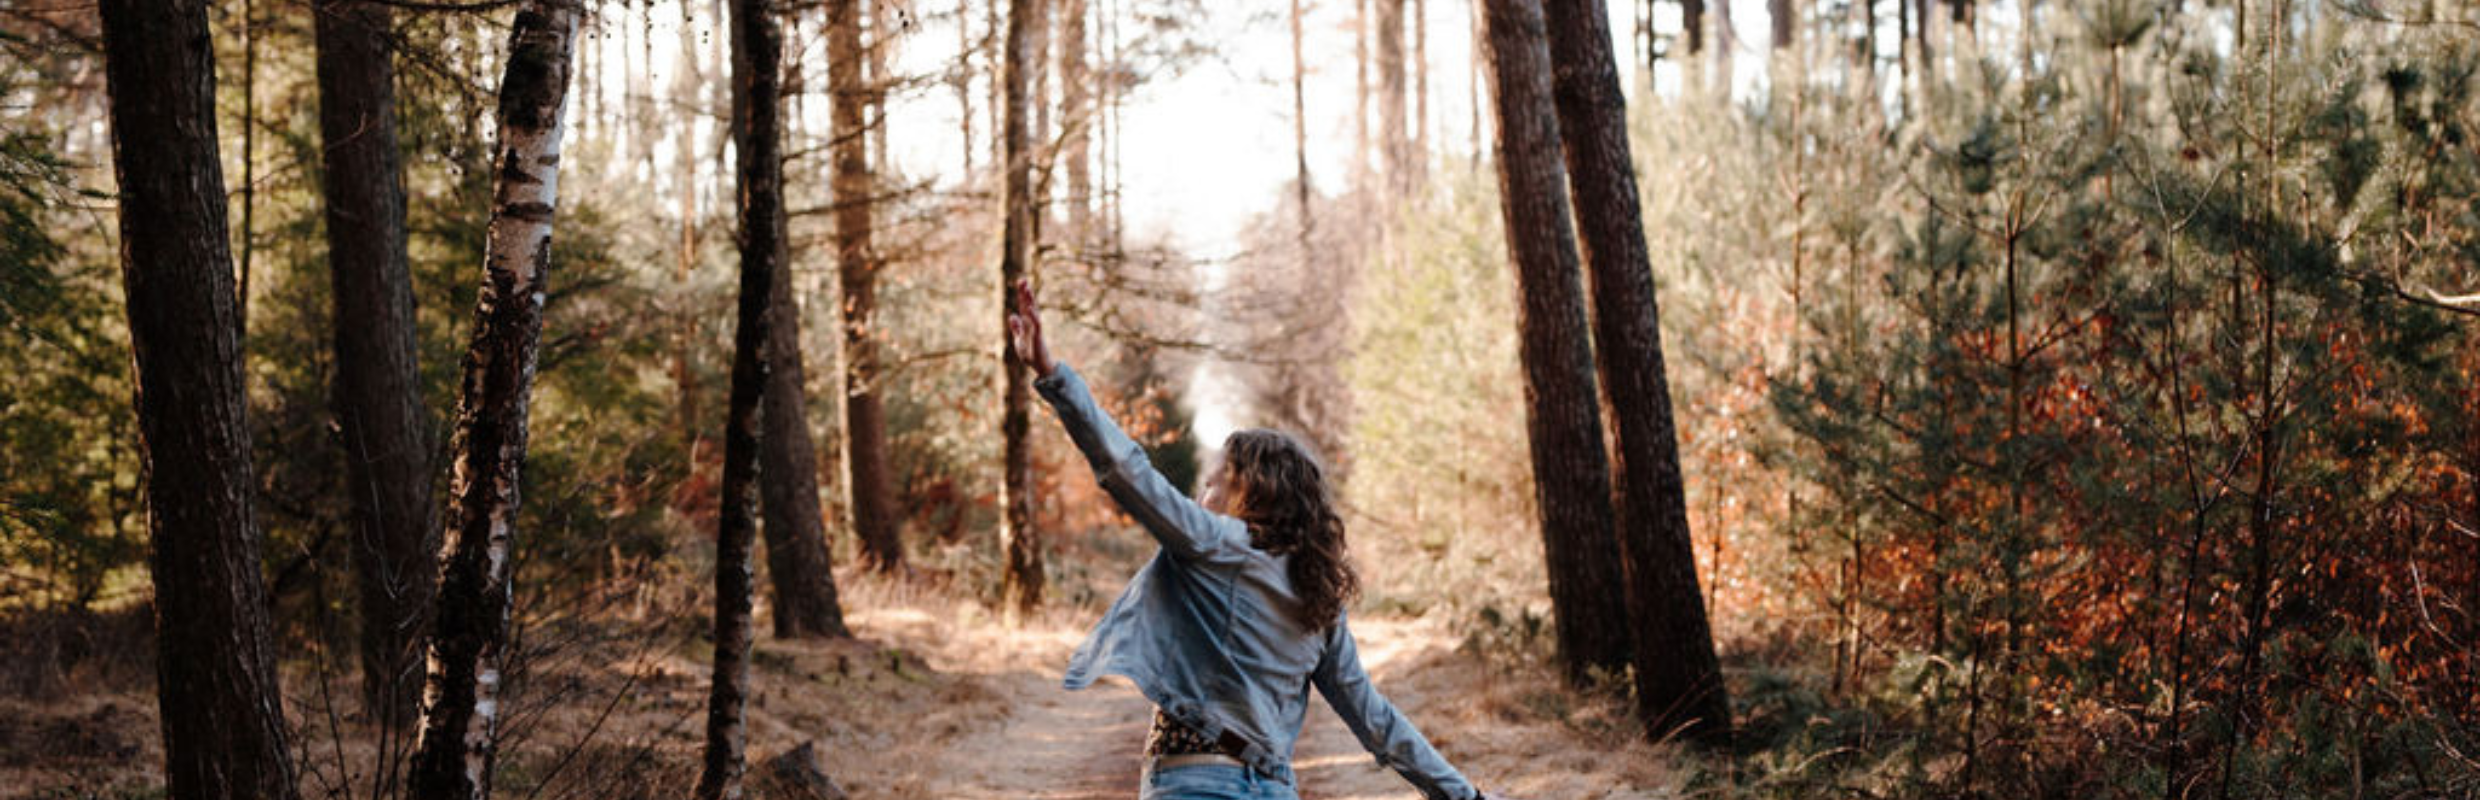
{"points": [[1212, 629]]}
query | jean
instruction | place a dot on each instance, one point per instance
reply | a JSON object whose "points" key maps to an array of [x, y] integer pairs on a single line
{"points": [[1212, 782]]}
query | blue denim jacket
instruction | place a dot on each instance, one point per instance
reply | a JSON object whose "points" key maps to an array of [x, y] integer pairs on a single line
{"points": [[1206, 630]]}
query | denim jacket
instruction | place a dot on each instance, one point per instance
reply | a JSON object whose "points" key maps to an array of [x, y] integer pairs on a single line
{"points": [[1206, 631]]}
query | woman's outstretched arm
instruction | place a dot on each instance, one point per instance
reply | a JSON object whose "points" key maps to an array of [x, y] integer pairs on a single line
{"points": [[1383, 731], [1185, 528]]}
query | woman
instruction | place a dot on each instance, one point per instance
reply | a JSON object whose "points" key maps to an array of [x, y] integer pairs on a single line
{"points": [[1239, 614]]}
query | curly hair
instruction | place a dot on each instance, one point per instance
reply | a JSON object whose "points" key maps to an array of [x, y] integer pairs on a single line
{"points": [[1279, 489]]}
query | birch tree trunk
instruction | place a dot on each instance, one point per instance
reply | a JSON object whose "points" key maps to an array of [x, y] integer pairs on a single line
{"points": [[460, 695], [215, 671]]}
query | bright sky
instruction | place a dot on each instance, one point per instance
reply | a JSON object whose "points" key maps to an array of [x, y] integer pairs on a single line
{"points": [[1205, 149]]}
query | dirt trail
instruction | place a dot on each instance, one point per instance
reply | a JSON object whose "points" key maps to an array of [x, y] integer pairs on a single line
{"points": [[1039, 741]]}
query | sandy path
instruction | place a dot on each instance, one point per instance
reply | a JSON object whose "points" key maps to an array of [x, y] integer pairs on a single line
{"points": [[1047, 743]]}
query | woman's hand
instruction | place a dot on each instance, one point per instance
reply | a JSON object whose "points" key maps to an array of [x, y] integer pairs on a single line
{"points": [[1025, 332]]}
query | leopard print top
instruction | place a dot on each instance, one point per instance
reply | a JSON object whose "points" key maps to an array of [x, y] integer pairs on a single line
{"points": [[1170, 738]]}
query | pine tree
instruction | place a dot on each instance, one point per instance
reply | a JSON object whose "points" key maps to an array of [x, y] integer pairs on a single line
{"points": [[1570, 471], [378, 397], [1678, 679], [757, 56], [1021, 579], [797, 562], [221, 700]]}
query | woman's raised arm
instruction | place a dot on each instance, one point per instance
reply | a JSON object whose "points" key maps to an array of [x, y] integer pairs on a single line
{"points": [[1185, 528]]}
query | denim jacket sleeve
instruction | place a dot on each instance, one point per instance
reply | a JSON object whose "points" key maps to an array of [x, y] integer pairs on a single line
{"points": [[1185, 528], [1382, 730]]}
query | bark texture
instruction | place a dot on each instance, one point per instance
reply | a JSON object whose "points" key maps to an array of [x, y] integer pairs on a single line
{"points": [[1021, 577], [757, 51], [453, 753], [216, 682], [1678, 679], [378, 392], [876, 519], [797, 563], [1571, 475]]}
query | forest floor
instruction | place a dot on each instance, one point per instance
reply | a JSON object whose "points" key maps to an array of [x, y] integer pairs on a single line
{"points": [[933, 698]]}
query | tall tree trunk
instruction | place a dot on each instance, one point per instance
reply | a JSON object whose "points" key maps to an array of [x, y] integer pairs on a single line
{"points": [[589, 83], [249, 165], [460, 693], [1571, 474], [1112, 92], [1905, 69], [378, 393], [1922, 14], [1726, 44], [1021, 579], [876, 519], [1678, 679], [757, 101], [1692, 24], [1360, 86], [686, 84], [1472, 81], [1038, 100], [1394, 143], [1076, 117], [797, 563], [1420, 83], [882, 39], [997, 44], [1785, 27], [1300, 134], [641, 122], [215, 672], [964, 81]]}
